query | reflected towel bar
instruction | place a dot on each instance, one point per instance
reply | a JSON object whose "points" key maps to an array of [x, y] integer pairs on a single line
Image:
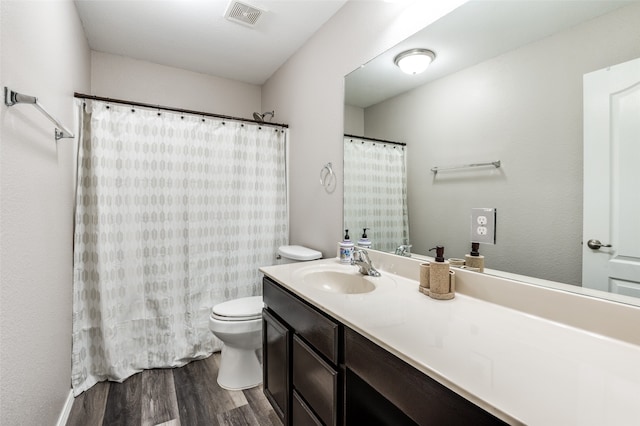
{"points": [[495, 164], [11, 98]]}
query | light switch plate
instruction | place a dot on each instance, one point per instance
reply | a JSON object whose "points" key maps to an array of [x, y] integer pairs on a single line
{"points": [[483, 225]]}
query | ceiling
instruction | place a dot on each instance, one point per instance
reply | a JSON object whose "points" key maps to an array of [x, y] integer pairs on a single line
{"points": [[195, 35], [472, 33]]}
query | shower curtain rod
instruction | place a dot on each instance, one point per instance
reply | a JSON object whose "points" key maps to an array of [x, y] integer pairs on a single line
{"points": [[180, 110], [376, 140]]}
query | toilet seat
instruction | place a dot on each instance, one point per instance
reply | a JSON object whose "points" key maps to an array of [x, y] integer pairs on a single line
{"points": [[243, 309]]}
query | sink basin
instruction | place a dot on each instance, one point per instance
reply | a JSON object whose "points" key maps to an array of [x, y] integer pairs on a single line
{"points": [[339, 282], [341, 279]]}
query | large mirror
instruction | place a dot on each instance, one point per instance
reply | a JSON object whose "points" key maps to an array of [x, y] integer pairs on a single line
{"points": [[506, 85]]}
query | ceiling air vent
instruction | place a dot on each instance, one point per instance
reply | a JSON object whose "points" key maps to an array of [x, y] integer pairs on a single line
{"points": [[243, 13]]}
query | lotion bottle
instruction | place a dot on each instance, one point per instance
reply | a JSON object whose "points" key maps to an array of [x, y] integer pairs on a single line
{"points": [[475, 259], [364, 242], [346, 248], [440, 279]]}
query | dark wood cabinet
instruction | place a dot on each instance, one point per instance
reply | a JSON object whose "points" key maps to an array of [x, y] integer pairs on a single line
{"points": [[320, 372], [374, 374], [316, 381], [314, 384], [307, 322], [275, 369], [301, 414]]}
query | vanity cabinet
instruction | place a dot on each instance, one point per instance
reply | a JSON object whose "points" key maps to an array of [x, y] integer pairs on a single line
{"points": [[320, 372], [383, 389], [303, 341]]}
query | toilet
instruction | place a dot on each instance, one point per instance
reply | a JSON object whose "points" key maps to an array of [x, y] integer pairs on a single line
{"points": [[238, 324]]}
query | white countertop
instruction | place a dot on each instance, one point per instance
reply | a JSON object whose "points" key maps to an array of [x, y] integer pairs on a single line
{"points": [[522, 368]]}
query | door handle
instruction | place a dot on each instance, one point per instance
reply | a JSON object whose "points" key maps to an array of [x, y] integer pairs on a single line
{"points": [[596, 244]]}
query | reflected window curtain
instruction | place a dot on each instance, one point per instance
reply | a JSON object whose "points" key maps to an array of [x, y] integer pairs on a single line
{"points": [[174, 214], [375, 192]]}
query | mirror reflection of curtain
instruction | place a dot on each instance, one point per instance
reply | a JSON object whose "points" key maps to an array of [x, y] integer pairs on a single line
{"points": [[375, 192], [174, 214]]}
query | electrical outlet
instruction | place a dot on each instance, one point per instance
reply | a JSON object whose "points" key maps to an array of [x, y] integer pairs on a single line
{"points": [[483, 225]]}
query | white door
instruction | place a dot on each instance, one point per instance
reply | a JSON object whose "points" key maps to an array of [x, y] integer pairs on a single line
{"points": [[612, 179]]}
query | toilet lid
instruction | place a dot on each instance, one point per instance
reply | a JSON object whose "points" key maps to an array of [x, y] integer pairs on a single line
{"points": [[240, 309], [299, 253]]}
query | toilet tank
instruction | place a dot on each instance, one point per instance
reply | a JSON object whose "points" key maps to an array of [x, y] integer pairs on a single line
{"points": [[290, 254]]}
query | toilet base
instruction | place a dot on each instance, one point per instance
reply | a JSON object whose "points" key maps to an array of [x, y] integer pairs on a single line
{"points": [[239, 368]]}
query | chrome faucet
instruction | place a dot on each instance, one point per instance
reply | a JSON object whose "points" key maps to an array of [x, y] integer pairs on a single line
{"points": [[361, 258], [404, 250]]}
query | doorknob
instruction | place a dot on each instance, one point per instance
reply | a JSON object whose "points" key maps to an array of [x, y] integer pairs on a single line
{"points": [[596, 244]]}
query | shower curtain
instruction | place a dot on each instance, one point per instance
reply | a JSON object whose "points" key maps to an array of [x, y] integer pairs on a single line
{"points": [[375, 192], [174, 214]]}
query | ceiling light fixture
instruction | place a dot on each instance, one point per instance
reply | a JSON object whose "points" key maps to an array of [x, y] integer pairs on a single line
{"points": [[414, 61]]}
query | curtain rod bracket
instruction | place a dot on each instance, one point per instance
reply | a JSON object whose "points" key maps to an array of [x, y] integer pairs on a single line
{"points": [[12, 98]]}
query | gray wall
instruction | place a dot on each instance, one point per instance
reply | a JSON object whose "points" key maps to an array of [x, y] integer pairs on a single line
{"points": [[45, 54], [525, 109]]}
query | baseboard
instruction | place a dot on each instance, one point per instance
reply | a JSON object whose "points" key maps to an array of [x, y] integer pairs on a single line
{"points": [[66, 410]]}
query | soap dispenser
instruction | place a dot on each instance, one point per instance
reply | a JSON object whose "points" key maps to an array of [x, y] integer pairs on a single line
{"points": [[346, 248], [364, 242], [475, 259], [441, 277]]}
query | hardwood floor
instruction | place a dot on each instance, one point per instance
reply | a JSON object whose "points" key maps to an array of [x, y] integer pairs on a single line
{"points": [[185, 396]]}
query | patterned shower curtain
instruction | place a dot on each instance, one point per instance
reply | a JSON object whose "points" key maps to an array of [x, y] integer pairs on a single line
{"points": [[174, 214], [375, 192]]}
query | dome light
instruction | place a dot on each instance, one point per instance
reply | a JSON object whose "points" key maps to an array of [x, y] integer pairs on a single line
{"points": [[414, 61]]}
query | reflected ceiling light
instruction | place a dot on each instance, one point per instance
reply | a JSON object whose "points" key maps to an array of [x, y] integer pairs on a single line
{"points": [[414, 61]]}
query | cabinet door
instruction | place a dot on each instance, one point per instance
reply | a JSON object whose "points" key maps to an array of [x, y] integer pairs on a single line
{"points": [[276, 338]]}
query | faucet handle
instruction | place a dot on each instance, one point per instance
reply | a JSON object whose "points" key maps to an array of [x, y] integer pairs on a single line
{"points": [[359, 255], [404, 249], [355, 256]]}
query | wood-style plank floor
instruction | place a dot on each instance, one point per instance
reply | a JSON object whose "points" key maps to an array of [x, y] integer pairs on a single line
{"points": [[185, 396]]}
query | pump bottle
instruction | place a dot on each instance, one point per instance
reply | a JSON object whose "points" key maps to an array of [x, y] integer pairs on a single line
{"points": [[346, 248]]}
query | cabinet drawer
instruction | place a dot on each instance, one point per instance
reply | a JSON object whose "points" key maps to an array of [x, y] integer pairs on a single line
{"points": [[420, 397], [320, 331], [316, 381], [301, 413]]}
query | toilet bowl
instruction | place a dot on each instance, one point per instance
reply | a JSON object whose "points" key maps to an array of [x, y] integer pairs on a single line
{"points": [[238, 324]]}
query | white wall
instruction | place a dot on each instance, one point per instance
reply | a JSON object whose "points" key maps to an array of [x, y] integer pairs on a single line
{"points": [[45, 54], [124, 78], [525, 109], [308, 93]]}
